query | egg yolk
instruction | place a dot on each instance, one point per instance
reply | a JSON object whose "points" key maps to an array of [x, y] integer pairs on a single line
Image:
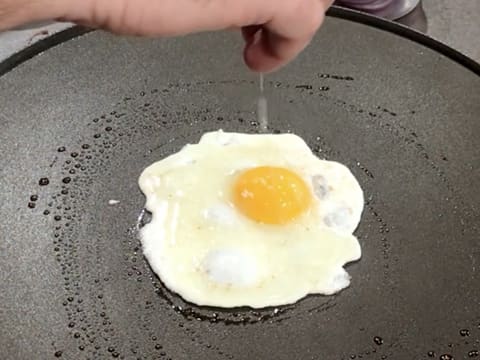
{"points": [[271, 195]]}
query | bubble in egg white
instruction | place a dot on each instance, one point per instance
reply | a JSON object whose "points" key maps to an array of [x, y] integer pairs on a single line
{"points": [[220, 214], [230, 267]]}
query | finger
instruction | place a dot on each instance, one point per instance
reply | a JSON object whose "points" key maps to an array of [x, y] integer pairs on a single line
{"points": [[169, 17], [271, 51], [285, 36]]}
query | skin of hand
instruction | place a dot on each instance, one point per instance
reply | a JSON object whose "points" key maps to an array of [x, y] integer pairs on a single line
{"points": [[275, 31]]}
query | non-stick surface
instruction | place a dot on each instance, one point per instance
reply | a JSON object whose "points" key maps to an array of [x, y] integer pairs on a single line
{"points": [[81, 120]]}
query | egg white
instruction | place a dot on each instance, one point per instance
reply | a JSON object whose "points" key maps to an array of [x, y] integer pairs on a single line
{"points": [[202, 248]]}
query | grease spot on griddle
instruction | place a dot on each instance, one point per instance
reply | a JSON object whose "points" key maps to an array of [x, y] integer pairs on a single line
{"points": [[43, 181], [446, 357], [335, 77]]}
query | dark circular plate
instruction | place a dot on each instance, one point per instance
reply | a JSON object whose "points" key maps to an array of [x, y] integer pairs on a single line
{"points": [[399, 109]]}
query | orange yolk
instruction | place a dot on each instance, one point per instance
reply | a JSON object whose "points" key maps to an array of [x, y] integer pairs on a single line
{"points": [[271, 195]]}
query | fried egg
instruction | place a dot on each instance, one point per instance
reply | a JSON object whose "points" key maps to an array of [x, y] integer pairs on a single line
{"points": [[250, 220]]}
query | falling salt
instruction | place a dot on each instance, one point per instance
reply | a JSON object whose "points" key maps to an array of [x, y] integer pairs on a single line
{"points": [[262, 107]]}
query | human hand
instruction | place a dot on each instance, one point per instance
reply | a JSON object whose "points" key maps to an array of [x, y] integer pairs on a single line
{"points": [[275, 31]]}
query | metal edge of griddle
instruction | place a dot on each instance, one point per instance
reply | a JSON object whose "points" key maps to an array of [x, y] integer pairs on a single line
{"points": [[334, 11], [40, 46], [406, 32]]}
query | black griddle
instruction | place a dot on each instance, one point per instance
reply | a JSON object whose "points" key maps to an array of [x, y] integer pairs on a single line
{"points": [[86, 111]]}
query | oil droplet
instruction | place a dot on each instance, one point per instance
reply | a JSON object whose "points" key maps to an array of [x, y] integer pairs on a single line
{"points": [[85, 146], [58, 353], [31, 205], [305, 87], [158, 346], [34, 198], [464, 332], [46, 212], [378, 340], [43, 181], [66, 180], [431, 353], [446, 357], [61, 149], [115, 354], [74, 154], [57, 218]]}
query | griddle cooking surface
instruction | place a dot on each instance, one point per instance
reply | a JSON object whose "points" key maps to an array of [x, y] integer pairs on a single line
{"points": [[92, 112]]}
